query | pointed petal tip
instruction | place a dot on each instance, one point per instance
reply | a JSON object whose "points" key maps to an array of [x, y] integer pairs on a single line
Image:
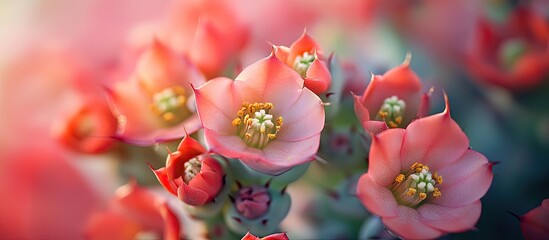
{"points": [[407, 59], [447, 104]]}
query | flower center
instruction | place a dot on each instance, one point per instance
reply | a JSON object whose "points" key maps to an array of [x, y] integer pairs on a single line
{"points": [[303, 62], [392, 111], [169, 103], [192, 167], [255, 125], [510, 51], [418, 184]]}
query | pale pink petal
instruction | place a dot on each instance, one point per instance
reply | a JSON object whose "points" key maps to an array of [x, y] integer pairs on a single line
{"points": [[407, 225], [207, 50], [318, 77], [467, 190], [384, 163], [469, 163], [288, 154], [304, 119], [377, 199], [218, 104], [450, 219], [270, 80], [435, 140], [534, 223]]}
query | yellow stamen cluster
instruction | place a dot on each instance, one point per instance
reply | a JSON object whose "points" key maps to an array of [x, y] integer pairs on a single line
{"points": [[392, 111], [169, 103], [255, 125], [416, 185]]}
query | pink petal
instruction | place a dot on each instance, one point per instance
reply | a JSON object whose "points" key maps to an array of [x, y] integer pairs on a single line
{"points": [[111, 225], [534, 223], [171, 222], [376, 198], [407, 224], [192, 196], [400, 81], [435, 140], [208, 181], [450, 219], [162, 177], [286, 155], [275, 158], [467, 190], [361, 112], [281, 52], [270, 80], [384, 163], [207, 50], [217, 104], [468, 164], [304, 119], [305, 43], [318, 77]]}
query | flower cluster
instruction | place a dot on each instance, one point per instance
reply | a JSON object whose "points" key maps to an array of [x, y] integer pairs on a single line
{"points": [[226, 119]]}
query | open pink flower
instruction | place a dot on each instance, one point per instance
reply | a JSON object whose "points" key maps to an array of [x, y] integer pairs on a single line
{"points": [[157, 101], [514, 56], [534, 223], [392, 100], [275, 236], [265, 117], [305, 57], [191, 174], [133, 211], [424, 181]]}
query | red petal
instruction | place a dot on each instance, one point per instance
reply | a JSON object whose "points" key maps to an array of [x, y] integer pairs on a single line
{"points": [[192, 196]]}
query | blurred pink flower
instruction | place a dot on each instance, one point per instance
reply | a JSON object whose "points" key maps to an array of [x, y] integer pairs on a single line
{"points": [[275, 236], [534, 223], [133, 211], [44, 196], [207, 31], [88, 127], [157, 101], [265, 117], [305, 57], [404, 184], [514, 56], [391, 100], [191, 173]]}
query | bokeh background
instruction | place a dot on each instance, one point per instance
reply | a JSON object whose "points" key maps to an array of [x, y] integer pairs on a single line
{"points": [[48, 190]]}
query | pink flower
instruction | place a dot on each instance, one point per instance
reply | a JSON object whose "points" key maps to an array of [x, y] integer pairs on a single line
{"points": [[191, 174], [275, 236], [208, 31], [88, 126], [265, 117], [305, 57], [513, 56], [134, 210], [392, 100], [534, 223], [424, 181], [157, 101]]}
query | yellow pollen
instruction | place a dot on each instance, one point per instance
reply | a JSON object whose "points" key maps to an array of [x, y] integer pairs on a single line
{"points": [[382, 114], [437, 193], [398, 119], [236, 121], [255, 125], [422, 196], [437, 178], [399, 178], [168, 116], [392, 124], [411, 191]]}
